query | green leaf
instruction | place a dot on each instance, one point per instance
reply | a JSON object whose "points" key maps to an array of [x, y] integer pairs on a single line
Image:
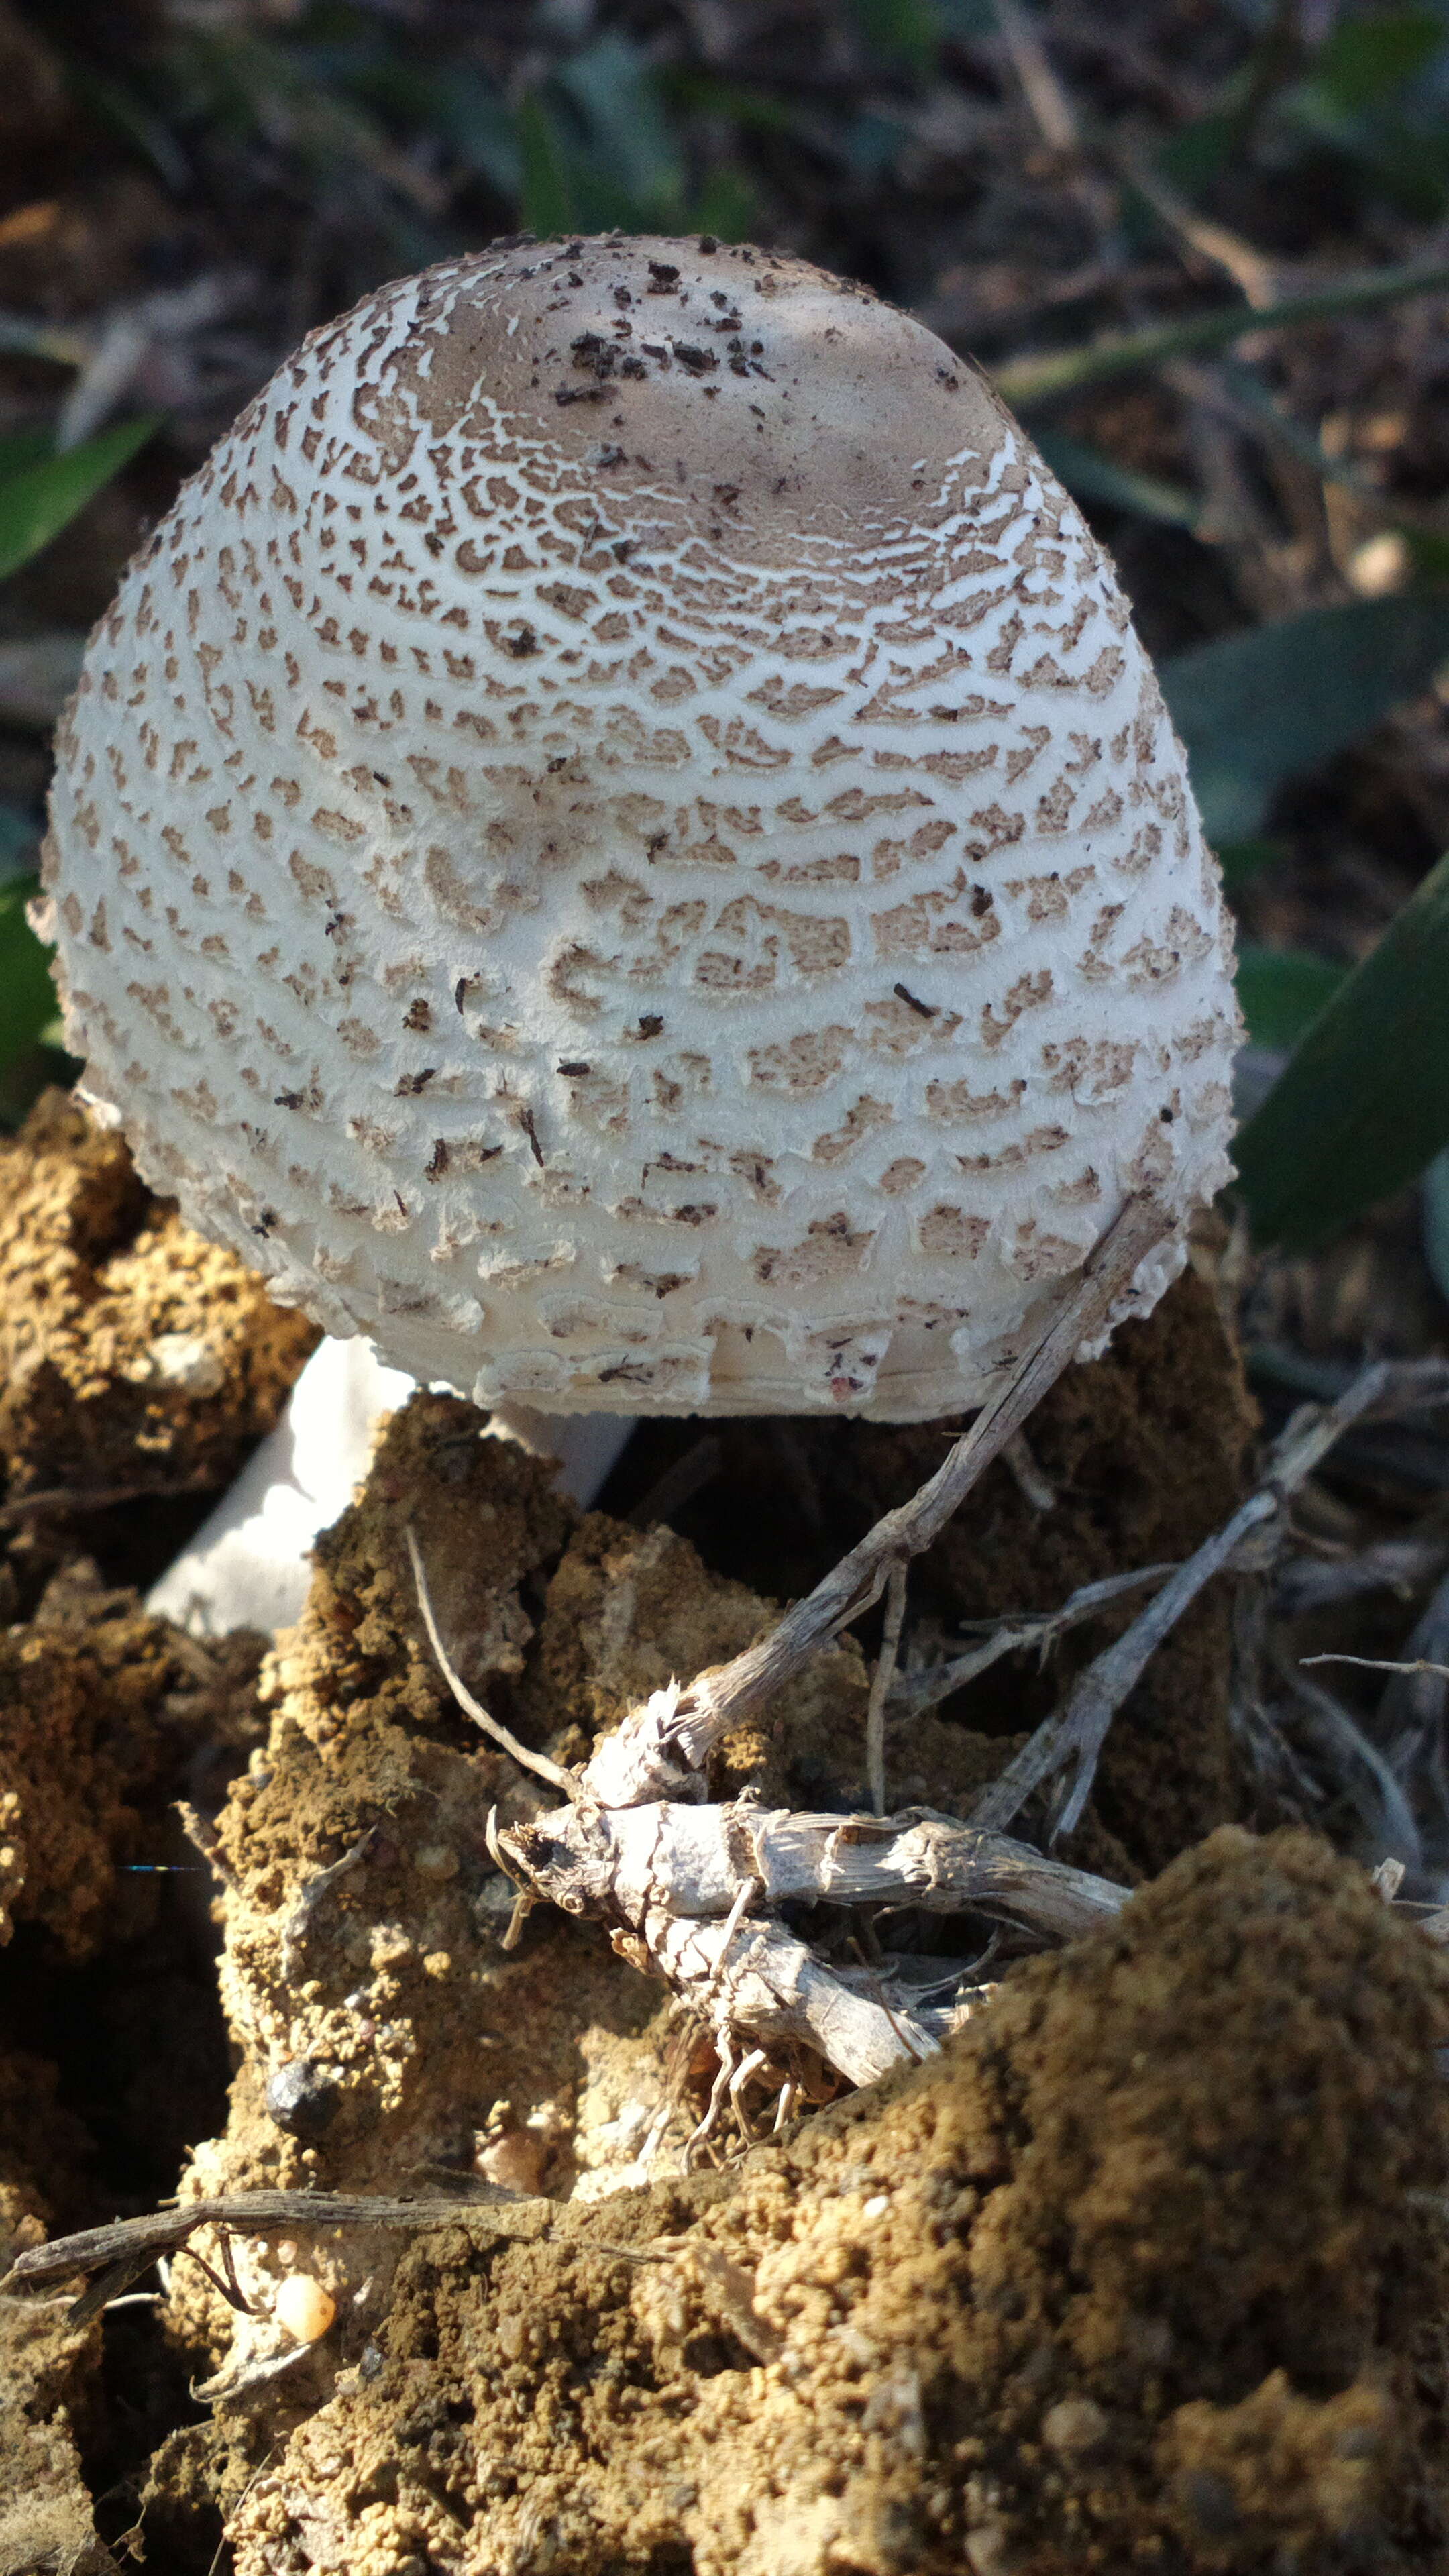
{"points": [[22, 447], [27, 995], [1240, 860], [726, 206], [703, 93], [1364, 1103], [598, 149], [455, 103], [37, 502], [1195, 154], [546, 202], [624, 133], [1282, 991], [1091, 476], [1256, 709], [1434, 1192]]}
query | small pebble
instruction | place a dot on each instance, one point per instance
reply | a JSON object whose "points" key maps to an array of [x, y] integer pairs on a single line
{"points": [[304, 2308], [302, 2099]]}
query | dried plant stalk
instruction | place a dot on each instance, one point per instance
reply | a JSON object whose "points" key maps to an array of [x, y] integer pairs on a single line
{"points": [[619, 1865], [659, 1749], [126, 2247], [757, 1978], [911, 1694], [1076, 1733]]}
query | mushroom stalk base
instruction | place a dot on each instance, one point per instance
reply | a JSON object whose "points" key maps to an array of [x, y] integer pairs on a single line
{"points": [[248, 1565], [585, 1444]]}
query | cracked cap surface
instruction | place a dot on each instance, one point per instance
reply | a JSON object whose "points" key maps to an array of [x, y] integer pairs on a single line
{"points": [[620, 840]]}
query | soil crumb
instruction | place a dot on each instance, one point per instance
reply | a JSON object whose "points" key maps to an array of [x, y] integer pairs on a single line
{"points": [[136, 1360], [1142, 2271]]}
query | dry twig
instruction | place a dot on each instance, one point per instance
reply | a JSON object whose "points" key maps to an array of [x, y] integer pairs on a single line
{"points": [[913, 1693], [123, 2250], [659, 1748], [1075, 1734]]}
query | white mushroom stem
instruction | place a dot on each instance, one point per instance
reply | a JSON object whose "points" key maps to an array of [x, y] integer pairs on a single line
{"points": [[585, 1444], [248, 1565]]}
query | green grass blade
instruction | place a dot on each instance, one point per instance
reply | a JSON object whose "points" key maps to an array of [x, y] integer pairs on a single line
{"points": [[1364, 1104], [1091, 476], [546, 204], [36, 502], [1057, 373], [1256, 709]]}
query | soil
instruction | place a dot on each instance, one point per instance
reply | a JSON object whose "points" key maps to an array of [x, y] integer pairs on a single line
{"points": [[1145, 2269], [1134, 2275], [138, 1365]]}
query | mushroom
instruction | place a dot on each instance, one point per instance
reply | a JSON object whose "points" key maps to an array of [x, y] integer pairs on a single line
{"points": [[619, 840]]}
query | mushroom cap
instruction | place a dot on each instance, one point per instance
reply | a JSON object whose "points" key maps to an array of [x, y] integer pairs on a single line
{"points": [[619, 839]]}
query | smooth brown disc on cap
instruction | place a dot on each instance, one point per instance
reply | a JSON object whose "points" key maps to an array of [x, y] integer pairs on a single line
{"points": [[619, 839]]}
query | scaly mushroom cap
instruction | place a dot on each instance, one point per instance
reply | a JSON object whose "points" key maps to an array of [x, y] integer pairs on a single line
{"points": [[619, 839]]}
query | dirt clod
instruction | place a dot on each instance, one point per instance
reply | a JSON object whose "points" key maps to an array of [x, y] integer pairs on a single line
{"points": [[1136, 2273], [387, 2039], [135, 1359], [102, 1710]]}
